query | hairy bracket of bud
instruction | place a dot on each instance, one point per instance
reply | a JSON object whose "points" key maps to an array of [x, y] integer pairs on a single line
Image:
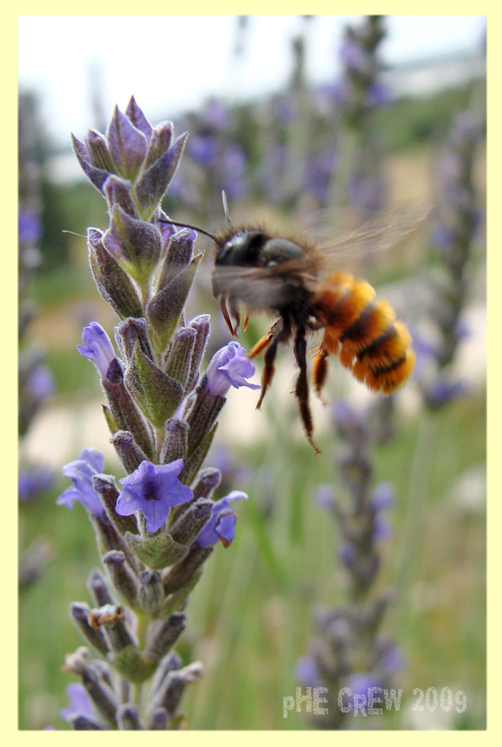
{"points": [[123, 578], [79, 613], [127, 450], [167, 633], [133, 332], [127, 144], [174, 445], [136, 245], [157, 395], [164, 308], [179, 358], [151, 592], [177, 254], [156, 552], [124, 411], [154, 181], [113, 284]]}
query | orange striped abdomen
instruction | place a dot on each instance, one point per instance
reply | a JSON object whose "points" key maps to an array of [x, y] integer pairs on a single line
{"points": [[363, 332]]}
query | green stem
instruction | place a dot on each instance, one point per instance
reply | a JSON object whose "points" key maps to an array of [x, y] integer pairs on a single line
{"points": [[415, 517]]}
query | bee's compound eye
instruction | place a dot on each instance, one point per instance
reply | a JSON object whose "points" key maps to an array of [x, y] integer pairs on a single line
{"points": [[275, 251]]}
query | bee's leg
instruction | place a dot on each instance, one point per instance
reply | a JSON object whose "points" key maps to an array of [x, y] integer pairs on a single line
{"points": [[234, 310], [319, 369], [277, 333], [226, 316], [302, 386], [265, 341]]}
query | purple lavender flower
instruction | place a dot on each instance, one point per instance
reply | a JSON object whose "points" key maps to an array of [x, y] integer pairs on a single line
{"points": [[41, 382], [29, 226], [442, 391], [97, 347], [228, 367], [153, 489], [325, 497], [360, 683], [382, 496], [81, 472], [221, 525], [33, 481], [79, 702], [307, 672]]}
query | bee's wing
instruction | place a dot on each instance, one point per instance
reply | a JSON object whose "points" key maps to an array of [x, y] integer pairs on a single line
{"points": [[262, 287], [373, 238]]}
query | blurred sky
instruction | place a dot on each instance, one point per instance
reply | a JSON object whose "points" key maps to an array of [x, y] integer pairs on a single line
{"points": [[171, 63]]}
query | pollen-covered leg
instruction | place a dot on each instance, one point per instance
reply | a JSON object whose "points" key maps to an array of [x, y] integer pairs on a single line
{"points": [[277, 333], [302, 387], [319, 369], [268, 370], [264, 342]]}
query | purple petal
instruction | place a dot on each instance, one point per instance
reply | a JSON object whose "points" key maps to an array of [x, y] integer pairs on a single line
{"points": [[97, 347], [80, 701], [153, 490]]}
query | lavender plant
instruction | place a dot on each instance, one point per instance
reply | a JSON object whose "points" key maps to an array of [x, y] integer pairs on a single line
{"points": [[348, 650], [156, 531], [35, 379], [358, 181], [457, 222]]}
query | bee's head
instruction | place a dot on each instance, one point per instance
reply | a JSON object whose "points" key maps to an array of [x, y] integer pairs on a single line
{"points": [[240, 248]]}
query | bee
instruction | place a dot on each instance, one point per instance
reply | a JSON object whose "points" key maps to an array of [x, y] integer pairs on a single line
{"points": [[293, 280]]}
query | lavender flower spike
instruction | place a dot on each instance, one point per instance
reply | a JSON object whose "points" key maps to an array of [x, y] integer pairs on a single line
{"points": [[97, 347], [229, 366], [153, 490]]}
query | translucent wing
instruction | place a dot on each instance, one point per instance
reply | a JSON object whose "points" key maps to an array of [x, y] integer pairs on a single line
{"points": [[372, 238]]}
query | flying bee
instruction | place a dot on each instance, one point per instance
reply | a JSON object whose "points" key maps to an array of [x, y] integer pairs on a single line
{"points": [[294, 280]]}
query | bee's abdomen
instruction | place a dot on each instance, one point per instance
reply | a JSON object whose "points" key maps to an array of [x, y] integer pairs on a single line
{"points": [[364, 333]]}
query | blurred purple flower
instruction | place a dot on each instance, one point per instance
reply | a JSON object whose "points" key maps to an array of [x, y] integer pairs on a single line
{"points": [[382, 496], [221, 525], [81, 472], [97, 347], [29, 226], [442, 237], [378, 94], [353, 56], [41, 382], [217, 114], [153, 489], [307, 672], [325, 497], [347, 554], [34, 481], [381, 528], [360, 683], [228, 367], [203, 149], [80, 702], [442, 391], [390, 661]]}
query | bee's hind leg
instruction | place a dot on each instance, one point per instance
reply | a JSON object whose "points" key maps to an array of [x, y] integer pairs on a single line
{"points": [[319, 369], [302, 386]]}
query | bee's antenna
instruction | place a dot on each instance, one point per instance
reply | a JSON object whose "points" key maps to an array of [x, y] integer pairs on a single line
{"points": [[64, 230], [194, 228], [225, 206]]}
